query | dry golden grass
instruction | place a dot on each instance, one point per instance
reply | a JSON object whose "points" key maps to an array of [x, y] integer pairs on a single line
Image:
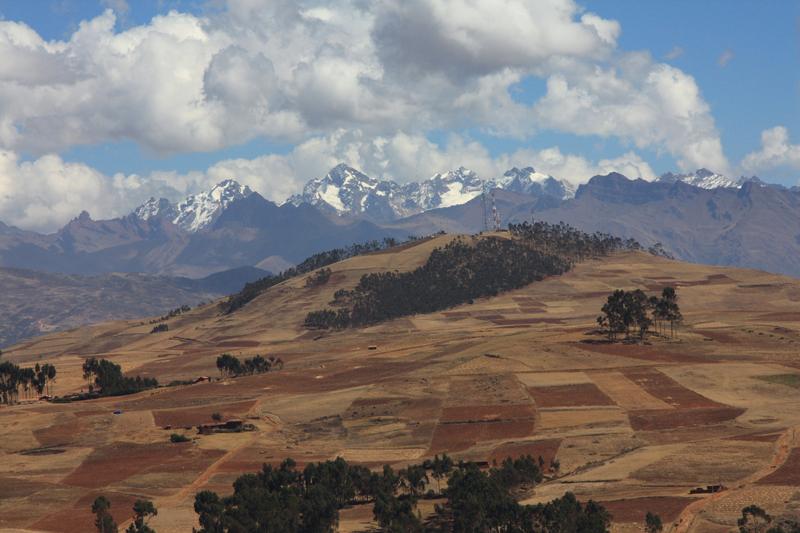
{"points": [[408, 398]]}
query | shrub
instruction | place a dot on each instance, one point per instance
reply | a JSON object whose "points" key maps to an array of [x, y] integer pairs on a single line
{"points": [[177, 437]]}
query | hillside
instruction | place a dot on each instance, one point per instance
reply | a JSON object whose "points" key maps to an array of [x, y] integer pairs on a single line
{"points": [[34, 303], [634, 426]]}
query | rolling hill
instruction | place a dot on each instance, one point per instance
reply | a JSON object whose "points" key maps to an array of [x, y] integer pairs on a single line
{"points": [[634, 426]]}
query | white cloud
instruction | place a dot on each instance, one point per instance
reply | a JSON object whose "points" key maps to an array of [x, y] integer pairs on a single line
{"points": [[725, 57], [647, 104], [291, 70], [352, 80], [45, 193], [776, 151]]}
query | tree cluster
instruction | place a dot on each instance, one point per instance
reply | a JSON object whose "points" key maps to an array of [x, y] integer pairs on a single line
{"points": [[143, 510], [564, 240], [754, 519], [633, 313], [230, 366], [319, 278], [159, 328], [454, 274], [282, 498], [38, 379], [314, 262], [106, 378]]}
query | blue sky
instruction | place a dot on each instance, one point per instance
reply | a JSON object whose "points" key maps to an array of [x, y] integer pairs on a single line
{"points": [[558, 92]]}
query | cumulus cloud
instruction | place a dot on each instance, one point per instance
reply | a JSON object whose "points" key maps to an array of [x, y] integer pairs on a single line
{"points": [[290, 70], [776, 151], [648, 104], [45, 193], [363, 82]]}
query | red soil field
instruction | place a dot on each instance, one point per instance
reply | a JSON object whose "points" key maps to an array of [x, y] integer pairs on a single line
{"points": [[667, 389], [60, 434], [658, 419], [457, 437], [200, 415], [787, 474], [635, 509], [121, 460], [484, 413], [80, 517], [547, 449], [576, 395]]}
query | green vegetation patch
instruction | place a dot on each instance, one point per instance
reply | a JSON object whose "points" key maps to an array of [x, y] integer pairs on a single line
{"points": [[790, 380]]}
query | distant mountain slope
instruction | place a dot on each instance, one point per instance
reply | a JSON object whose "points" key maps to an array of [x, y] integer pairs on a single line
{"points": [[753, 226], [243, 230], [34, 303]]}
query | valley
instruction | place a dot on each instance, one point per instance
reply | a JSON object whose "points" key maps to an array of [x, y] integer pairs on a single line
{"points": [[634, 426]]}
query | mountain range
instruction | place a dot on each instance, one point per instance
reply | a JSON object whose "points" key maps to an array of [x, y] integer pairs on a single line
{"points": [[701, 216]]}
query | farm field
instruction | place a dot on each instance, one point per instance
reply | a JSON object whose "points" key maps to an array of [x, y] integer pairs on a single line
{"points": [[634, 426]]}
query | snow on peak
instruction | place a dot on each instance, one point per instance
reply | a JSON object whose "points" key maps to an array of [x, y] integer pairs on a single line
{"points": [[153, 208], [703, 178], [197, 211], [347, 191], [528, 181]]}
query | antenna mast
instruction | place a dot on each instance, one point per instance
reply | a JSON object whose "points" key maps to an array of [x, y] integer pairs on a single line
{"points": [[495, 215]]}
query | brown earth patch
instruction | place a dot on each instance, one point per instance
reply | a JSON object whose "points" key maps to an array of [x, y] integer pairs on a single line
{"points": [[787, 474], [667, 389], [757, 437], [525, 321], [546, 449], [414, 408], [635, 509], [60, 434], [652, 420], [788, 316], [486, 413], [456, 437], [80, 518], [199, 415], [660, 354], [575, 395], [238, 344], [121, 460], [719, 336]]}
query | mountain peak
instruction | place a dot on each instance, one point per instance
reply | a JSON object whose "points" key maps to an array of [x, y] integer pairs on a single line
{"points": [[197, 211], [703, 178]]}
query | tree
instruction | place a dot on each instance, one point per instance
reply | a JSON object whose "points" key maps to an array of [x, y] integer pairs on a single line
{"points": [[652, 523], [143, 510], [415, 478], [209, 509], [754, 519], [441, 468], [104, 522]]}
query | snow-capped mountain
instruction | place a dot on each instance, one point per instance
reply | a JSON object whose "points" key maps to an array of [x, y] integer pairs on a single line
{"points": [[704, 178], [446, 189], [197, 211], [346, 191], [528, 181]]}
